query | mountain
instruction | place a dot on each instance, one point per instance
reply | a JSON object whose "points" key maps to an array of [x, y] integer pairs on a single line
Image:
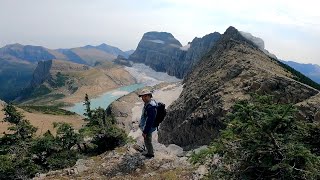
{"points": [[14, 76], [129, 52], [92, 54], [310, 70], [233, 69], [162, 52], [25, 53], [55, 81], [83, 55], [112, 50]]}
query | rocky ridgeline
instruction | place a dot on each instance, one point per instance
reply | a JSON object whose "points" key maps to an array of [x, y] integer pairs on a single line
{"points": [[234, 68], [162, 52], [127, 163]]}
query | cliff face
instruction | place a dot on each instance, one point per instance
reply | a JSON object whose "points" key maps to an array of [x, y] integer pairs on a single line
{"points": [[41, 73], [158, 50], [234, 68], [162, 52]]}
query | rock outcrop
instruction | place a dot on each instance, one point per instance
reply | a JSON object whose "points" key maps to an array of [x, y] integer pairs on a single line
{"points": [[46, 70], [41, 73], [162, 52], [234, 68], [121, 60]]}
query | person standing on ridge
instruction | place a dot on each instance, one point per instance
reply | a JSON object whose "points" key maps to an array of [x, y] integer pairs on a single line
{"points": [[148, 117]]}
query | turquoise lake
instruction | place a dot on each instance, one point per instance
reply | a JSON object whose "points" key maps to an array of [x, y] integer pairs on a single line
{"points": [[106, 99]]}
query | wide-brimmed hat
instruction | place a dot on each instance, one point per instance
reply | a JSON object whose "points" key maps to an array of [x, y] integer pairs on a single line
{"points": [[144, 92]]}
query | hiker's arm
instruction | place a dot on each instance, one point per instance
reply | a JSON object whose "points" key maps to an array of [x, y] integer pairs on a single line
{"points": [[151, 111]]}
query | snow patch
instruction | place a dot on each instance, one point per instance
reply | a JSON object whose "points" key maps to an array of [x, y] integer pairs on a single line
{"points": [[157, 41]]}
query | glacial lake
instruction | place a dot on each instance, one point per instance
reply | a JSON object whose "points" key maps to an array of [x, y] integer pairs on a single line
{"points": [[106, 99]]}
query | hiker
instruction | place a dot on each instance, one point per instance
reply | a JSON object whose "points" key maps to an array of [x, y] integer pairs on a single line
{"points": [[148, 117]]}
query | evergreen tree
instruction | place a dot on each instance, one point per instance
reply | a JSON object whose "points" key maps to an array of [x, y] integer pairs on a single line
{"points": [[264, 140], [88, 112]]}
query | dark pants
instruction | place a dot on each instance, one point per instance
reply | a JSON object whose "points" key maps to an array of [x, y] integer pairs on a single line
{"points": [[148, 144]]}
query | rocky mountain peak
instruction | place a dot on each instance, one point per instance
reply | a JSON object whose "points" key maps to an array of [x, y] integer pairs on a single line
{"points": [[162, 52], [161, 38], [232, 34], [233, 69]]}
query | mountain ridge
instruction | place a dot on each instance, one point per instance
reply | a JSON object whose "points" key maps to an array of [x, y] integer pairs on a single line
{"points": [[310, 70], [232, 70], [83, 55]]}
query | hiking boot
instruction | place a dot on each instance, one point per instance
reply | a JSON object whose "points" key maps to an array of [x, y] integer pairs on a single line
{"points": [[148, 156]]}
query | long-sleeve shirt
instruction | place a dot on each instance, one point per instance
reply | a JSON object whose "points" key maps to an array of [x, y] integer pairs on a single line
{"points": [[148, 117]]}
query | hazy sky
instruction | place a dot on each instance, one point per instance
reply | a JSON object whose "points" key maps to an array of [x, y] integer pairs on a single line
{"points": [[290, 29]]}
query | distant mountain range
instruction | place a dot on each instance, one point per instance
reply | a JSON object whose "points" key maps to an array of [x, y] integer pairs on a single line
{"points": [[88, 54], [310, 70]]}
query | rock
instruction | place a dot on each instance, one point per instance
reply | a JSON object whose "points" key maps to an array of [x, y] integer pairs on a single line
{"points": [[317, 116], [41, 73], [197, 150], [81, 165], [2, 103], [201, 172], [175, 150], [123, 61]]}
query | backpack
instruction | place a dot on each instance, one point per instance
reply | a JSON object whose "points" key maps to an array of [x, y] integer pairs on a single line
{"points": [[161, 113]]}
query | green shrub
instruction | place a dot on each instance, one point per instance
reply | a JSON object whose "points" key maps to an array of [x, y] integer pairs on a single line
{"points": [[263, 140], [59, 80], [62, 159], [54, 110]]}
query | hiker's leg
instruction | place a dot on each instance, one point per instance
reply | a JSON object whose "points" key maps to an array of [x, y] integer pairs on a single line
{"points": [[148, 143]]}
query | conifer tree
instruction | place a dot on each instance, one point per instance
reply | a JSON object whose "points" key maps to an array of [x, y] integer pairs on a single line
{"points": [[21, 128], [263, 140], [88, 111]]}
